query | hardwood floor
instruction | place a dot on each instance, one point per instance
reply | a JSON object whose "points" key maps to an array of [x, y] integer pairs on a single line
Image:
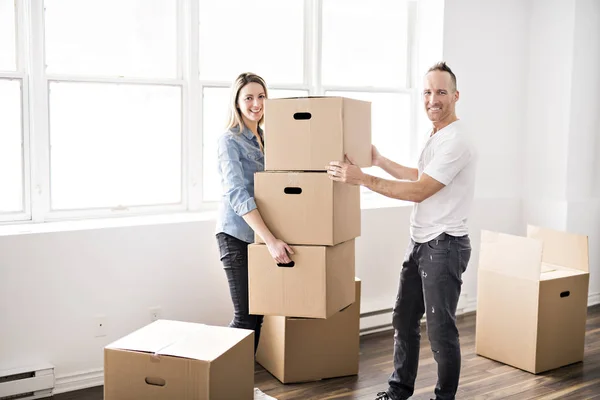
{"points": [[480, 378]]}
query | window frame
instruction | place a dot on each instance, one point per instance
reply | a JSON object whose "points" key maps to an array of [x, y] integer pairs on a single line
{"points": [[30, 49]]}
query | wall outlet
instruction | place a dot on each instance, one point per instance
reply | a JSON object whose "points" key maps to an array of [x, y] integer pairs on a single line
{"points": [[155, 313], [100, 325]]}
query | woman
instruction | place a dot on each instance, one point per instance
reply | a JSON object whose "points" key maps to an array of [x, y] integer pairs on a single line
{"points": [[240, 155]]}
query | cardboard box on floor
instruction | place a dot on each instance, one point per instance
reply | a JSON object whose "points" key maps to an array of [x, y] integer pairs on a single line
{"points": [[307, 208], [306, 133], [532, 298], [180, 360], [318, 284], [302, 350]]}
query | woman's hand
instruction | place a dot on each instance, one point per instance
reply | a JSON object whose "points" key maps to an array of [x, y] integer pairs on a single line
{"points": [[279, 251]]}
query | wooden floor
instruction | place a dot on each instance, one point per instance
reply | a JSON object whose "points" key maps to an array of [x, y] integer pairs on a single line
{"points": [[480, 378]]}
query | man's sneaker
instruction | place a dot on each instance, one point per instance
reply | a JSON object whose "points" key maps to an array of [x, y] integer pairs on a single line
{"points": [[383, 396]]}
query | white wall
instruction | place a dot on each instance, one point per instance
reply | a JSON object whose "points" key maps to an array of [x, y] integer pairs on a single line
{"points": [[485, 45], [53, 284], [563, 123]]}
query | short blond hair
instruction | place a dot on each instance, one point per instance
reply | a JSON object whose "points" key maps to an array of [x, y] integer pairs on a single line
{"points": [[234, 118]]}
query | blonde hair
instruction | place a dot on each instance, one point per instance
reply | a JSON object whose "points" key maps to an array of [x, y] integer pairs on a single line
{"points": [[234, 118]]}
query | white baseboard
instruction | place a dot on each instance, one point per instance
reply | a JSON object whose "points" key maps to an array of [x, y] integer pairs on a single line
{"points": [[379, 321], [80, 380]]}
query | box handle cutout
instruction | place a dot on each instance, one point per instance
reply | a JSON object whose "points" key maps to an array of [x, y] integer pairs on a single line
{"points": [[302, 116], [156, 381], [565, 294], [288, 265], [292, 190]]}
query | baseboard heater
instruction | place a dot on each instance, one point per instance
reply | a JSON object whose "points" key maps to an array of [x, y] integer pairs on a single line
{"points": [[35, 382]]}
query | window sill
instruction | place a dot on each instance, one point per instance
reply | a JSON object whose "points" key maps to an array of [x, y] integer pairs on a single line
{"points": [[26, 228]]}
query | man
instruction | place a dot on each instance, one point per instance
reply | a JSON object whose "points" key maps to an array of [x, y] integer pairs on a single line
{"points": [[442, 189]]}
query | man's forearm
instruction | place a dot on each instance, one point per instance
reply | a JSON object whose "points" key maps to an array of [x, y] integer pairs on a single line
{"points": [[398, 171], [401, 190]]}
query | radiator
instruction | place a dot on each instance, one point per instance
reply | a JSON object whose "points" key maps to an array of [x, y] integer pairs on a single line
{"points": [[35, 382]]}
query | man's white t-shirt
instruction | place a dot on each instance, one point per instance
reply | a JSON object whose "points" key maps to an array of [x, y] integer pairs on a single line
{"points": [[449, 157]]}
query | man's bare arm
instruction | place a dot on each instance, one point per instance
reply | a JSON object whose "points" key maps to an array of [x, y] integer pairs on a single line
{"points": [[398, 171]]}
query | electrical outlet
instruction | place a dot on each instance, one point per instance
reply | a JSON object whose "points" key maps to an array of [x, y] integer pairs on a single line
{"points": [[155, 313], [100, 326]]}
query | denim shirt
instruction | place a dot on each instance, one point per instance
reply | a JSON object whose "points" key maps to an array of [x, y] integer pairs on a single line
{"points": [[239, 157]]}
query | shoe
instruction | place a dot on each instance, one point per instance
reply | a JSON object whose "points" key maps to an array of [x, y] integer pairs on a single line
{"points": [[383, 396]]}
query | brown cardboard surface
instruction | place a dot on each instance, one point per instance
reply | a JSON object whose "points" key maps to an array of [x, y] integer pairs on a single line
{"points": [[324, 213], [336, 126], [304, 349], [318, 285], [175, 359], [532, 298]]}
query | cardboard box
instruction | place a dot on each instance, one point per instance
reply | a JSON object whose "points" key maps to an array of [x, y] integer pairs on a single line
{"points": [[307, 208], [302, 350], [318, 284], [532, 298], [306, 133], [180, 360]]}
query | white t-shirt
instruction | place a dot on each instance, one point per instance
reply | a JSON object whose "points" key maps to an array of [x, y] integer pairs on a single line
{"points": [[449, 157]]}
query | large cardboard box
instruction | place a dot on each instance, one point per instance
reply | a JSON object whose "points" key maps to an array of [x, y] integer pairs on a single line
{"points": [[306, 133], [318, 284], [304, 349], [307, 208], [180, 360], [532, 298]]}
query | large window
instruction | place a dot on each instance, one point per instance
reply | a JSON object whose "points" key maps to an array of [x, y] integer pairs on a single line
{"points": [[12, 156], [114, 107]]}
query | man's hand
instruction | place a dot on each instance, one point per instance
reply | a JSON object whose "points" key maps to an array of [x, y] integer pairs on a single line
{"points": [[345, 172]]}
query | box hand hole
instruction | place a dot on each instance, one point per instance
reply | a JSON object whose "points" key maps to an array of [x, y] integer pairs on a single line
{"points": [[302, 116], [292, 190]]}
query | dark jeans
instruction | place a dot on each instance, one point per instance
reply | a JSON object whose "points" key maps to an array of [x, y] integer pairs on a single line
{"points": [[234, 256], [430, 283]]}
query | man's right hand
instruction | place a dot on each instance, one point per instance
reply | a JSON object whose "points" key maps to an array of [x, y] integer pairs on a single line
{"points": [[279, 251]]}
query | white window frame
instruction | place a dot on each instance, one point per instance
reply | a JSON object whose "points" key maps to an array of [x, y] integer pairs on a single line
{"points": [[35, 105], [20, 74]]}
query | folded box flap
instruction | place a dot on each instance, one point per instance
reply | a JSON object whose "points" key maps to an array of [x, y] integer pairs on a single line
{"points": [[181, 339], [562, 248], [511, 255]]}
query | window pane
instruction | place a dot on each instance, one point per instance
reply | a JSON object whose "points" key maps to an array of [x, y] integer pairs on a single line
{"points": [[112, 37], [390, 125], [215, 103], [265, 37], [11, 153], [114, 145], [364, 42], [7, 36]]}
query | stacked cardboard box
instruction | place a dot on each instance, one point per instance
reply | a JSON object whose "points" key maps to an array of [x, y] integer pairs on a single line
{"points": [[312, 305]]}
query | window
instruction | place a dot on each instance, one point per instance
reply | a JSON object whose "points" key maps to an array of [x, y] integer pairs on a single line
{"points": [[265, 37], [115, 104], [114, 145], [8, 55], [365, 43], [11, 153], [130, 38], [117, 111]]}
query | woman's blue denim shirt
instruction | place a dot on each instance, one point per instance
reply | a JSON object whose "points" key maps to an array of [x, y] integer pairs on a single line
{"points": [[239, 157]]}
